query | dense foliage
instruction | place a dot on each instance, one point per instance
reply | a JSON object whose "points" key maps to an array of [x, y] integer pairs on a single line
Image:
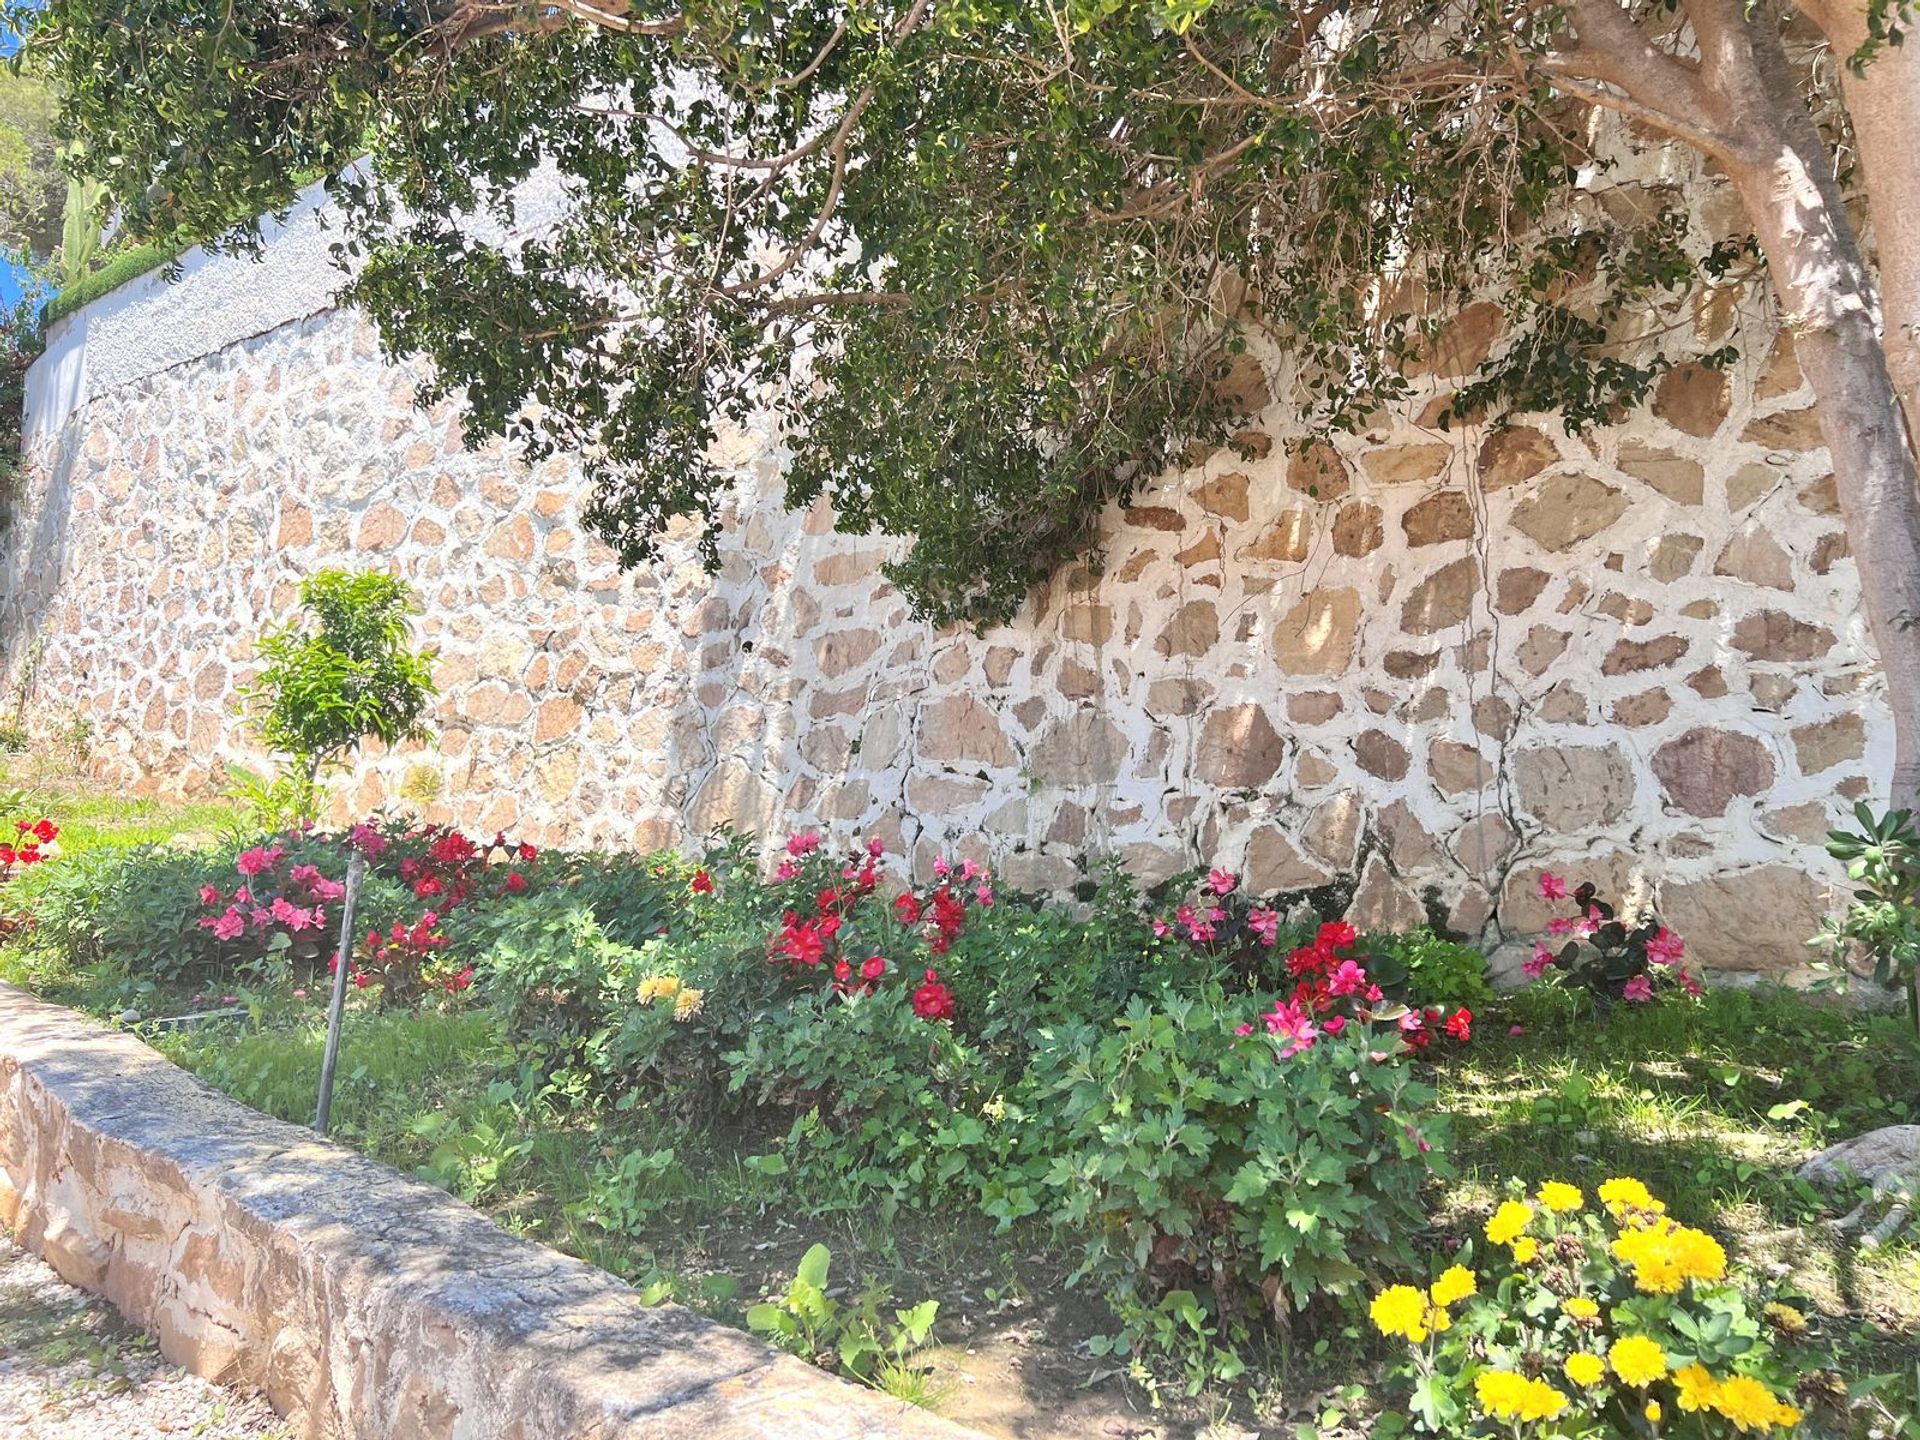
{"points": [[1016, 253]]}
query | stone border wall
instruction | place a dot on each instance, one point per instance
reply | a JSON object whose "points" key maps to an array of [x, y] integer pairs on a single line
{"points": [[362, 1303]]}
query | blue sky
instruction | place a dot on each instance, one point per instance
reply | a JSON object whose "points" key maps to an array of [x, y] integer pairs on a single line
{"points": [[13, 279]]}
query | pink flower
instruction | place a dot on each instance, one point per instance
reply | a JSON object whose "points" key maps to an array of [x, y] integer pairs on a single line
{"points": [[1160, 928], [968, 870], [209, 895], [1265, 924], [940, 866], [1202, 931], [1691, 985], [1593, 921], [367, 840], [300, 993], [1538, 963], [1347, 979], [286, 913], [984, 895], [230, 926], [258, 860], [1516, 1030], [325, 889], [1221, 882], [1292, 1022], [1552, 886], [803, 842], [1666, 948], [876, 847], [1334, 1024], [786, 870], [1243, 1030], [1561, 925], [1639, 990]]}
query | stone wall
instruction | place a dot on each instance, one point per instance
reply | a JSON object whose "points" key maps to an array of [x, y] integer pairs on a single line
{"points": [[1424, 663], [361, 1303]]}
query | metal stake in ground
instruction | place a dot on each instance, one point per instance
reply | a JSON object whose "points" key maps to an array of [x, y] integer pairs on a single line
{"points": [[356, 870]]}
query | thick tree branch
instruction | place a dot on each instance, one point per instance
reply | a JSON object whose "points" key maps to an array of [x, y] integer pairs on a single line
{"points": [[1624, 71]]}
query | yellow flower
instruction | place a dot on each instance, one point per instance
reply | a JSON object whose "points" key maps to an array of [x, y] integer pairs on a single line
{"points": [[1525, 1250], [1437, 1319], [1625, 1193], [1785, 1318], [658, 987], [1455, 1285], [1664, 1256], [1561, 1198], [1585, 1369], [1508, 1221], [1786, 1416], [687, 1004], [1653, 1412], [1637, 1360], [1580, 1307], [1401, 1310], [1747, 1403], [1697, 1387], [1508, 1396]]}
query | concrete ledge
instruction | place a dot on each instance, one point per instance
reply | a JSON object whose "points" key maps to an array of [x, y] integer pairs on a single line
{"points": [[362, 1303]]}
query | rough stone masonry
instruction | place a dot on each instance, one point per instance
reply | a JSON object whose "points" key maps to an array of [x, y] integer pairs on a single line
{"points": [[1420, 662]]}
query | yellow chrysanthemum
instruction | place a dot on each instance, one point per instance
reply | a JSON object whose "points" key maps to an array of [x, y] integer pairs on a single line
{"points": [[1625, 1193], [1509, 1221], [1637, 1360], [1455, 1285], [1696, 1387], [1585, 1369], [1580, 1307], [686, 1004], [1747, 1403], [658, 987], [1664, 1256], [1561, 1198], [1653, 1412], [1786, 1318], [1401, 1310], [1525, 1250], [1786, 1416], [1507, 1396]]}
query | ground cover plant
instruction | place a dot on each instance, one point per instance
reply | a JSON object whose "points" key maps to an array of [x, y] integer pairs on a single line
{"points": [[1229, 1123]]}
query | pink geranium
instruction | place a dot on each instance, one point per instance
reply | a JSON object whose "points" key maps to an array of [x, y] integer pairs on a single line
{"points": [[1265, 924], [1639, 990], [1221, 882], [1552, 886], [1538, 963], [1290, 1021], [1666, 948], [258, 860]]}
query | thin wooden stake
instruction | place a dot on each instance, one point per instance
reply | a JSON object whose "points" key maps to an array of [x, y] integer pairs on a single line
{"points": [[356, 870]]}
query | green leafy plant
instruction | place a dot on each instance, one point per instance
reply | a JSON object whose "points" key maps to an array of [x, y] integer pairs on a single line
{"points": [[1428, 969], [1210, 1181], [856, 1339], [347, 675], [1883, 861]]}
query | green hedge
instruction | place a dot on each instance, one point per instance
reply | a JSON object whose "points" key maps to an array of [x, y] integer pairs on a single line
{"points": [[128, 265]]}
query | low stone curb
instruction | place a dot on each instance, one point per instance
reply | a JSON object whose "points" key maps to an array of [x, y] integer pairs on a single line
{"points": [[360, 1302]]}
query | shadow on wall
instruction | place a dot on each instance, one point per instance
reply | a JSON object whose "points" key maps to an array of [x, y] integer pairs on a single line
{"points": [[30, 572]]}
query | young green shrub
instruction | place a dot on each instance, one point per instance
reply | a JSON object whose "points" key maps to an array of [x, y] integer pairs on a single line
{"points": [[1883, 862], [1428, 969], [1212, 1178], [346, 674]]}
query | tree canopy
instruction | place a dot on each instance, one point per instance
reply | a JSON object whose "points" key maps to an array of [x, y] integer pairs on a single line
{"points": [[986, 264]]}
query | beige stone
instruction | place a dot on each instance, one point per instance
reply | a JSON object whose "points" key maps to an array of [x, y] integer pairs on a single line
{"points": [[1193, 630], [1787, 430], [1513, 454], [1630, 657], [1569, 788], [1313, 771], [1273, 865], [1673, 557], [1184, 695], [1828, 743], [958, 728], [1410, 846], [1316, 469], [1083, 748], [1748, 920], [1517, 589], [1775, 635], [1674, 476], [1358, 529], [1753, 555], [1463, 343], [1287, 540], [1693, 398], [1224, 495], [1706, 769], [1566, 509], [1636, 712], [1332, 832], [1458, 769], [1441, 517], [1442, 600], [1381, 904], [1238, 748], [1483, 844], [1380, 755], [1748, 484], [1403, 464], [1543, 645], [1316, 636]]}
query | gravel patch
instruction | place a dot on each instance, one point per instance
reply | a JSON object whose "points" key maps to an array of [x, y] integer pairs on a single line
{"points": [[72, 1369]]}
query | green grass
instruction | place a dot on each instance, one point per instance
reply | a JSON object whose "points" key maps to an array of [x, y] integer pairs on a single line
{"points": [[127, 266]]}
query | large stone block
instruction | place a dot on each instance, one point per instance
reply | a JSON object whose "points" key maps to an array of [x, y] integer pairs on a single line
{"points": [[1574, 787], [1758, 919]]}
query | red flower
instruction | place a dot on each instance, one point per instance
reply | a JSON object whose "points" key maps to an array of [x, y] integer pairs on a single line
{"points": [[907, 909], [702, 883], [873, 968], [1335, 934], [44, 830], [842, 972], [1460, 1024], [516, 883], [933, 1001]]}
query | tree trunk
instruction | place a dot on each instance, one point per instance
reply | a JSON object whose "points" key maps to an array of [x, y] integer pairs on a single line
{"points": [[1784, 175], [1883, 103]]}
